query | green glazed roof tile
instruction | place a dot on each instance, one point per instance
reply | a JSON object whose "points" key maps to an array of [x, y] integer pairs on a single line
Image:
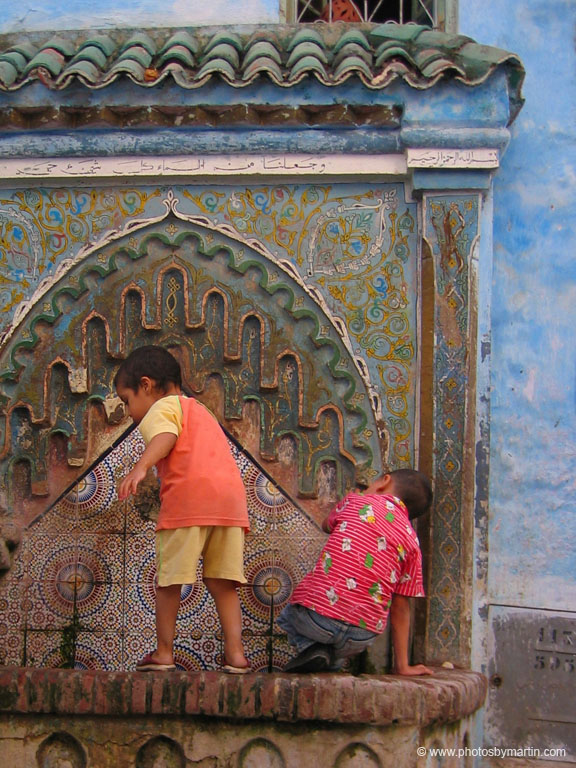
{"points": [[352, 65], [424, 58], [393, 31], [15, 59], [352, 50], [140, 40], [25, 48], [91, 53], [396, 45], [130, 67], [391, 52], [306, 49], [179, 53], [377, 53], [486, 54], [8, 74], [136, 53], [85, 70], [103, 42], [259, 49], [305, 34], [477, 62], [60, 44], [352, 36], [223, 51], [217, 67], [431, 38], [263, 65], [308, 64], [180, 39], [48, 59], [230, 38], [438, 67]]}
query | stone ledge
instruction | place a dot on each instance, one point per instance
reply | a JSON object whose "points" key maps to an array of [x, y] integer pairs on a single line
{"points": [[384, 700]]}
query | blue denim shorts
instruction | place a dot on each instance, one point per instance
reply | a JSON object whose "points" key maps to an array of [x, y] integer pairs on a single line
{"points": [[305, 627]]}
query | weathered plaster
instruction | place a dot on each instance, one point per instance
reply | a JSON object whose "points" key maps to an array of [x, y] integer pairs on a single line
{"points": [[525, 566], [471, 118], [213, 719], [77, 14], [533, 418]]}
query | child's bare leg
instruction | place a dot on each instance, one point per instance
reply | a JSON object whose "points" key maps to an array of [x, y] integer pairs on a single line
{"points": [[228, 606], [167, 604]]}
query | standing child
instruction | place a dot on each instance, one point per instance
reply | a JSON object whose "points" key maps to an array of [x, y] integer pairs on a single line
{"points": [[370, 566], [203, 507]]}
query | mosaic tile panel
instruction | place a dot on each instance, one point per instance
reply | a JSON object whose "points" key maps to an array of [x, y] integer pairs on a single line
{"points": [[451, 229], [88, 597]]}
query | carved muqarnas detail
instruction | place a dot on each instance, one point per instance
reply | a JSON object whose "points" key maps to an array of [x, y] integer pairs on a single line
{"points": [[255, 345]]}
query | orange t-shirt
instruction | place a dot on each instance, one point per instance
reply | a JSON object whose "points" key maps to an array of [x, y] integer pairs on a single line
{"points": [[200, 483]]}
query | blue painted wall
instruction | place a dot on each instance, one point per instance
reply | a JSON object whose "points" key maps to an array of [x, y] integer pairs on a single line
{"points": [[532, 542], [37, 15]]}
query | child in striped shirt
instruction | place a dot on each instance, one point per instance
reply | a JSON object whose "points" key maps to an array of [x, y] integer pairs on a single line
{"points": [[369, 568]]}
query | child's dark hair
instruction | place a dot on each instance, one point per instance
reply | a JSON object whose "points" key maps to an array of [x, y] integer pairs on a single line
{"points": [[152, 361], [414, 489]]}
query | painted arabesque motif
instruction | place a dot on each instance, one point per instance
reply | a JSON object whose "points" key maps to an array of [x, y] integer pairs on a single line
{"points": [[367, 286]]}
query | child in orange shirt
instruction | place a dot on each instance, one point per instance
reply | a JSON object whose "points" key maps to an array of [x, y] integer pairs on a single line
{"points": [[203, 508]]}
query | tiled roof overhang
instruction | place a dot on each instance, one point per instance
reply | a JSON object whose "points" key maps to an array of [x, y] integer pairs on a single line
{"points": [[381, 91], [70, 80]]}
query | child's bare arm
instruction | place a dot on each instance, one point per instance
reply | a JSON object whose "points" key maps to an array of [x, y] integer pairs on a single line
{"points": [[329, 522], [158, 448], [400, 628]]}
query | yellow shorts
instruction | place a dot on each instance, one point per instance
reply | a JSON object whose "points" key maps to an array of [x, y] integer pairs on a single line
{"points": [[178, 551]]}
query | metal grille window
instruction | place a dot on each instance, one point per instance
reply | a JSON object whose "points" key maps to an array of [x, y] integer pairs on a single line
{"points": [[432, 13]]}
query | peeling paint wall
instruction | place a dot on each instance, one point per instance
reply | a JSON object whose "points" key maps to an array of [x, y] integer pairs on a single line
{"points": [[530, 601], [36, 15], [533, 408]]}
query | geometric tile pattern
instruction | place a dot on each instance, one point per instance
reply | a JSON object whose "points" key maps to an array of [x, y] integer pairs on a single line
{"points": [[81, 592], [451, 227]]}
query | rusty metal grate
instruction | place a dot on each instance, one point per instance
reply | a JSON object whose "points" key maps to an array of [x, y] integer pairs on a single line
{"points": [[376, 11]]}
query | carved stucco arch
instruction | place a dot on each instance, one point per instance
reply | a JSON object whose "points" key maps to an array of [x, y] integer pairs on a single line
{"points": [[245, 326]]}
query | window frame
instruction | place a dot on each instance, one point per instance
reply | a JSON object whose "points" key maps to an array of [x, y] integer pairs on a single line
{"points": [[445, 13]]}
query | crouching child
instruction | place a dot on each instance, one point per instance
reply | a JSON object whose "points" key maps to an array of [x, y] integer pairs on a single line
{"points": [[369, 568]]}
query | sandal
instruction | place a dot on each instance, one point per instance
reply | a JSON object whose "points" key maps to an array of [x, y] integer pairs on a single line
{"points": [[147, 664], [232, 670]]}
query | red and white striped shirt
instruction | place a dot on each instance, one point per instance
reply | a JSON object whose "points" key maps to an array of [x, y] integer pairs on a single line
{"points": [[372, 553]]}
